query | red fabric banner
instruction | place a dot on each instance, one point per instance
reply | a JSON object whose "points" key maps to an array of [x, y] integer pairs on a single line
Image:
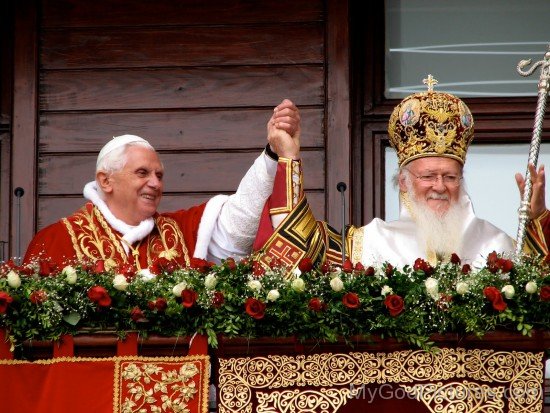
{"points": [[109, 385]]}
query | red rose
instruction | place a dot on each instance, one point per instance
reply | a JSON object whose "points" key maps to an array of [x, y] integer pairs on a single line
{"points": [[315, 304], [137, 315], [495, 297], [389, 270], [5, 300], [161, 304], [505, 265], [455, 259], [466, 269], [45, 268], [162, 264], [325, 267], [421, 265], [188, 298], [128, 270], [545, 293], [254, 308], [369, 271], [38, 297], [351, 300], [348, 266], [151, 305], [200, 264], [257, 269], [99, 295], [305, 265], [218, 299], [359, 266], [231, 264], [395, 304]]}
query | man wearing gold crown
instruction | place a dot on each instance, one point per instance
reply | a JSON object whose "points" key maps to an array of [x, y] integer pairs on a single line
{"points": [[120, 224], [431, 132]]}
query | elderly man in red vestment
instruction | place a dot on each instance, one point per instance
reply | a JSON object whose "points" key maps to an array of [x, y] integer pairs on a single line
{"points": [[120, 225]]}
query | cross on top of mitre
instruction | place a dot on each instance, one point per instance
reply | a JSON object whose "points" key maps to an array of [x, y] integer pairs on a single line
{"points": [[431, 82]]}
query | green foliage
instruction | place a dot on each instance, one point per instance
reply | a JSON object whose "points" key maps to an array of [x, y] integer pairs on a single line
{"points": [[443, 299]]}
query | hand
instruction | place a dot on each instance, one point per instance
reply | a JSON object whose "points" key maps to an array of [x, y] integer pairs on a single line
{"points": [[283, 130], [538, 183]]}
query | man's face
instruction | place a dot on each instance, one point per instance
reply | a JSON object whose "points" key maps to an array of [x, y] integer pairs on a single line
{"points": [[435, 181], [133, 193]]}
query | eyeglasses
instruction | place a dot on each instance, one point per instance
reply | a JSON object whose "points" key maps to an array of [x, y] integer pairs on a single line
{"points": [[431, 179]]}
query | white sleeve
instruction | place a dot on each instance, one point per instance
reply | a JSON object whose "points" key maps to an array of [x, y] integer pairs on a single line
{"points": [[237, 222]]}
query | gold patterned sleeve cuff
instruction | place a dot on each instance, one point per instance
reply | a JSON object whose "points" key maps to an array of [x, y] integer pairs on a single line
{"points": [[288, 186]]}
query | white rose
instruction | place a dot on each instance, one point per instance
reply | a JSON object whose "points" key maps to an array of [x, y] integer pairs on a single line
{"points": [[297, 272], [14, 281], [386, 290], [508, 291], [210, 281], [145, 274], [335, 272], [120, 283], [178, 288], [70, 273], [255, 285], [273, 295], [298, 285], [462, 287], [531, 287], [336, 284], [432, 287]]}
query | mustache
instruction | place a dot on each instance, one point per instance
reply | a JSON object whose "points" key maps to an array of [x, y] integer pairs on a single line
{"points": [[435, 195]]}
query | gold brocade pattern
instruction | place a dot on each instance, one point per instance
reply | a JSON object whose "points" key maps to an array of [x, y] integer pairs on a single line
{"points": [[93, 238], [462, 396], [520, 373], [430, 124], [305, 401], [150, 387]]}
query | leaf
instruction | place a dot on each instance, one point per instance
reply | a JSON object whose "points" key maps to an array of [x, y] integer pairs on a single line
{"points": [[72, 318]]}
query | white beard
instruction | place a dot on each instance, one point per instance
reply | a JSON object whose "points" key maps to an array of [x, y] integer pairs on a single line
{"points": [[438, 232]]}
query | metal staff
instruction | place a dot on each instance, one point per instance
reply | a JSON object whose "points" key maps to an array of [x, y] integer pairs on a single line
{"points": [[543, 87]]}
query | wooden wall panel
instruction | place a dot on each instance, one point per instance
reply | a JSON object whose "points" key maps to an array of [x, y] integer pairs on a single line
{"points": [[184, 130], [100, 13], [185, 46], [180, 88]]}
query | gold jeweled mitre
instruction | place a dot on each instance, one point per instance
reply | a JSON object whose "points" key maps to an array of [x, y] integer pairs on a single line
{"points": [[431, 124]]}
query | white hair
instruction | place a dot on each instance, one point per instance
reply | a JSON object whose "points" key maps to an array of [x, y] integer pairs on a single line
{"points": [[115, 160]]}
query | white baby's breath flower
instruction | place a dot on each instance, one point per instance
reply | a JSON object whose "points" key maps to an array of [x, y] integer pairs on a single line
{"points": [[531, 287], [254, 285], [462, 287], [336, 284], [508, 291], [432, 287], [386, 290], [14, 280], [145, 274], [70, 273], [120, 283], [273, 295], [298, 285], [178, 288], [210, 281]]}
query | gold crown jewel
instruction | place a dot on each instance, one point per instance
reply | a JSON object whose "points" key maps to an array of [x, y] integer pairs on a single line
{"points": [[431, 124]]}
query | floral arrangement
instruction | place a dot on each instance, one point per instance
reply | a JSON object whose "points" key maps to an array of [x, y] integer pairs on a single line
{"points": [[244, 299]]}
